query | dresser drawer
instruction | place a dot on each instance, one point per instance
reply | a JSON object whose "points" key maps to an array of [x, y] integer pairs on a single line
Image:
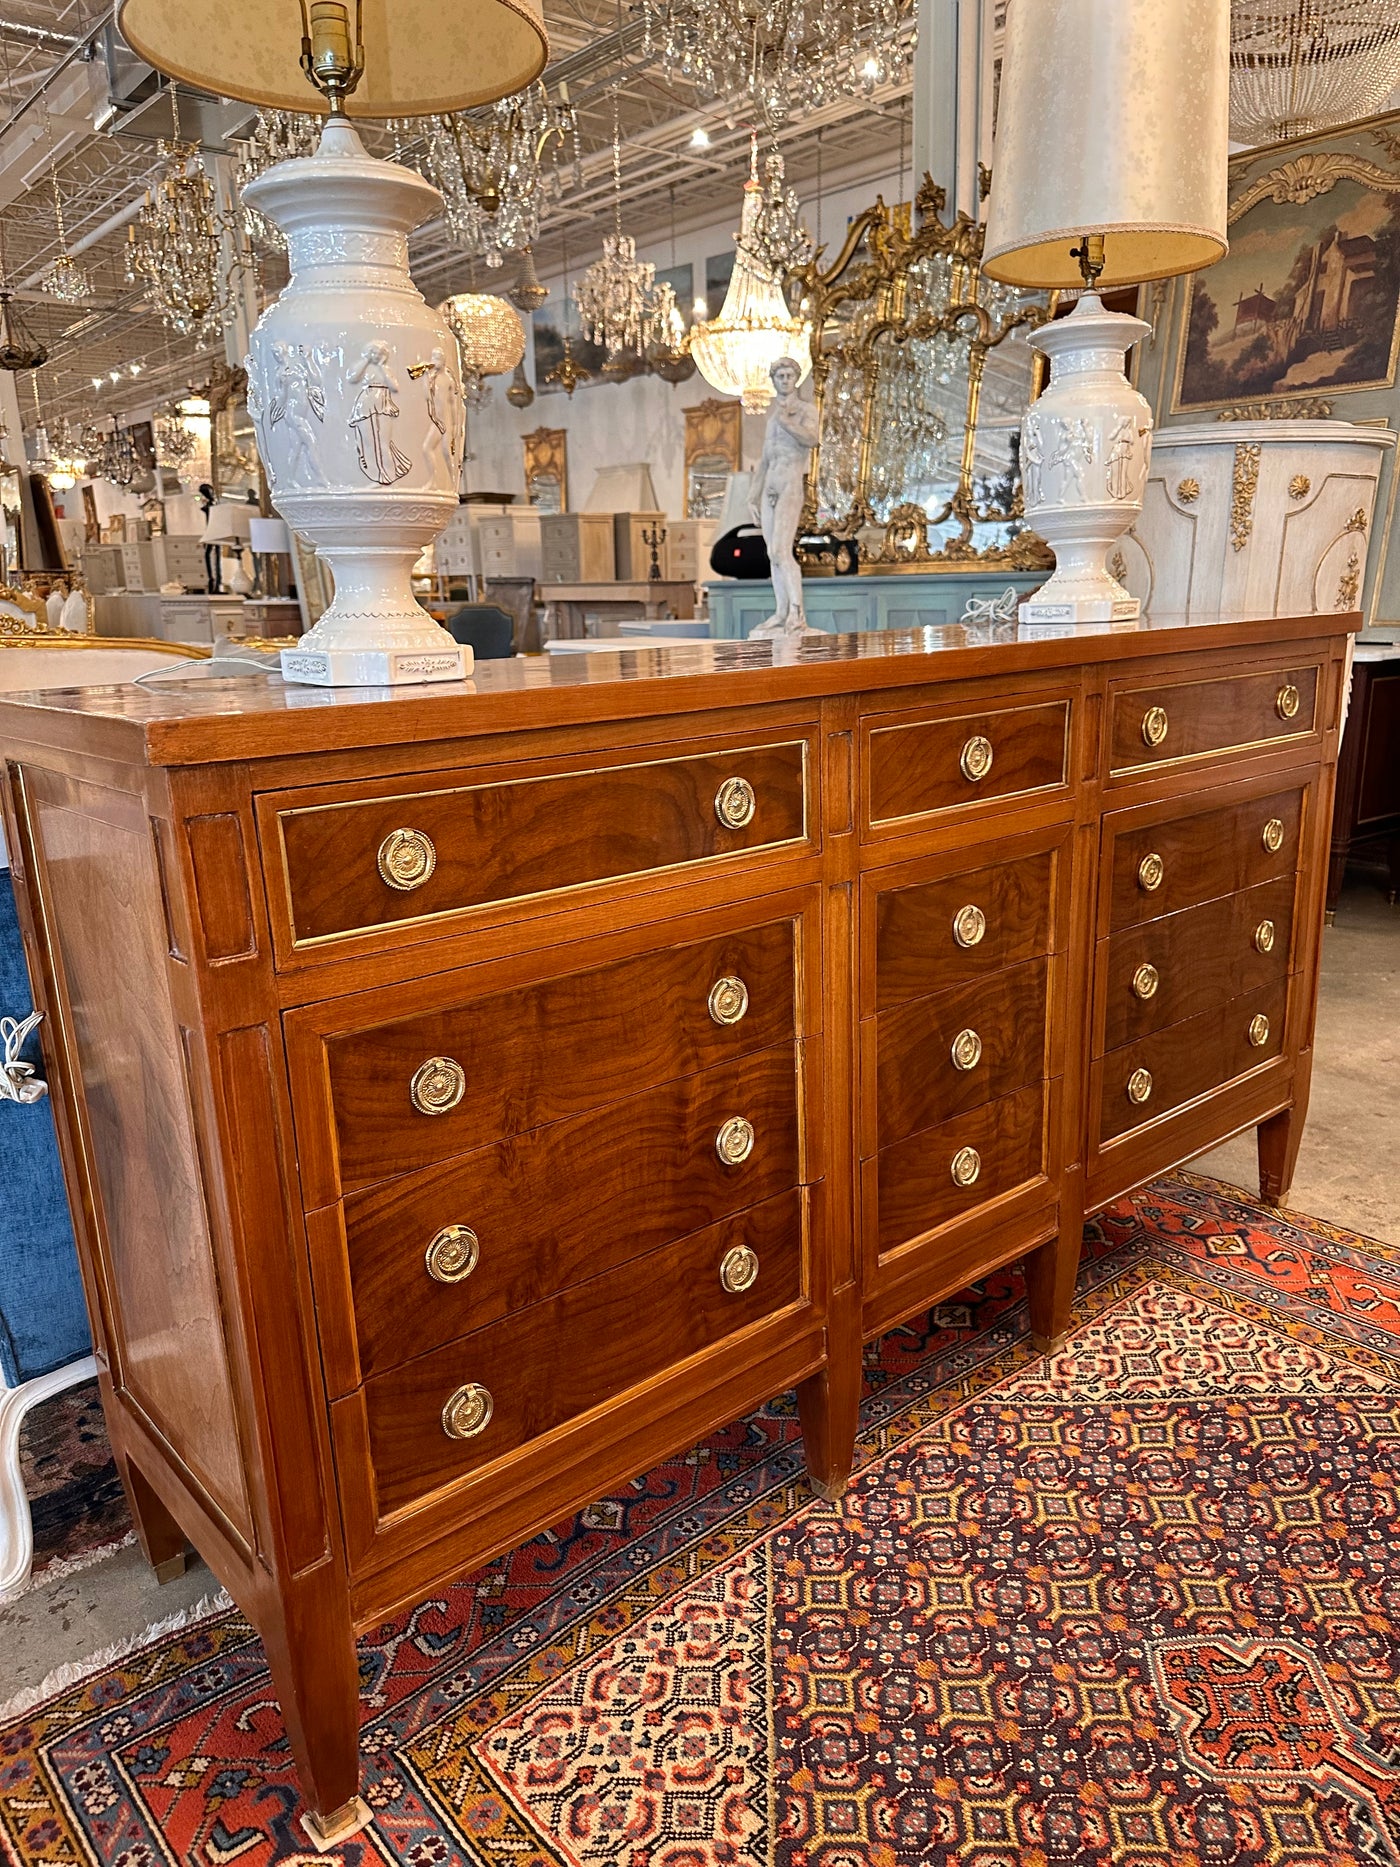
{"points": [[960, 927], [921, 1183], [1150, 1078], [921, 768], [1175, 720], [1161, 867], [517, 1060], [1175, 968], [549, 1364], [356, 865], [457, 1246], [935, 1057]]}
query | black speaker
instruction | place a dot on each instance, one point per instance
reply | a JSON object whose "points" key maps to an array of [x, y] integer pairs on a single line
{"points": [[740, 553]]}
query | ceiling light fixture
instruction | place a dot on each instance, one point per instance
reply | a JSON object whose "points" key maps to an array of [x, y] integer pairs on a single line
{"points": [[735, 351], [622, 304]]}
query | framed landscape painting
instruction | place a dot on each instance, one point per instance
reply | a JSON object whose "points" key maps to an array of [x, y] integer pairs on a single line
{"points": [[1306, 304]]}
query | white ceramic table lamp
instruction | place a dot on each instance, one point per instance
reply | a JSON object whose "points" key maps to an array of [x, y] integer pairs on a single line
{"points": [[1109, 169], [354, 383]]}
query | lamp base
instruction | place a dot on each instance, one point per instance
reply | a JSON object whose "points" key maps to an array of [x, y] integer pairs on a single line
{"points": [[1040, 608], [376, 667]]}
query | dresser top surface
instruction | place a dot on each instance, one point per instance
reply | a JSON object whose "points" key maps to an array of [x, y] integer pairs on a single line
{"points": [[204, 719]]}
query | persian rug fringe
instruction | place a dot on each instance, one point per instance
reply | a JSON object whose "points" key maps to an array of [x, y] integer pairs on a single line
{"points": [[76, 1671]]}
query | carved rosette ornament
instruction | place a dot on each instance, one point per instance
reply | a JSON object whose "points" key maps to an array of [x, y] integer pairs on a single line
{"points": [[355, 391]]}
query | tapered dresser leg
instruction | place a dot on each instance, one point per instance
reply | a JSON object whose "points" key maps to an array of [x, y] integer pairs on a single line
{"points": [[1051, 1270], [161, 1538], [311, 1656], [828, 1403], [1279, 1139]]}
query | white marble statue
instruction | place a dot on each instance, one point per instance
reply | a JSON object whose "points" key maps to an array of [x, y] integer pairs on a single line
{"points": [[778, 493]]}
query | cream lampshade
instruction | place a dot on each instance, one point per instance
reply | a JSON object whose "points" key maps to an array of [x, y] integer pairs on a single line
{"points": [[1109, 168], [354, 385]]}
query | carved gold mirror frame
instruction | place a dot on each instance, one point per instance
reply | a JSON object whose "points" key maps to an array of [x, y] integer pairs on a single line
{"points": [[714, 444], [546, 458], [867, 304]]}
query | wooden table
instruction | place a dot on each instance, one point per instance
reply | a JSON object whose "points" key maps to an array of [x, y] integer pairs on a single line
{"points": [[573, 603], [469, 1096]]}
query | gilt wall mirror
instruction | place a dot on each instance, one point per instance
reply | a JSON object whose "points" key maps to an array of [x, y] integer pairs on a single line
{"points": [[714, 439], [922, 371], [547, 469]]}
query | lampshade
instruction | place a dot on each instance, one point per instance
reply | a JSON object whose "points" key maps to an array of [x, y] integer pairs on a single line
{"points": [[219, 528], [421, 58], [1113, 119], [269, 535]]}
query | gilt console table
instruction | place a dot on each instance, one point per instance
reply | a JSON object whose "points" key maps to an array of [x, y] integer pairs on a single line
{"points": [[471, 1096]]}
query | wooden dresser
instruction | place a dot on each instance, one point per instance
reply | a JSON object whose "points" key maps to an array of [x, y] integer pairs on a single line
{"points": [[470, 1096]]}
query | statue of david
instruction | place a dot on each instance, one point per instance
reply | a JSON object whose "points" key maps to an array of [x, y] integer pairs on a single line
{"points": [[779, 490]]}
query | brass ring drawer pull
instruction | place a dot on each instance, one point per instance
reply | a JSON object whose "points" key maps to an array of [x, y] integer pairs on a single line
{"points": [[734, 1142], [1273, 835], [437, 1086], [1139, 1086], [453, 1254], [1146, 980], [1259, 1030], [729, 1000], [967, 1050], [738, 1269], [976, 760], [969, 925], [1264, 937], [735, 803], [1287, 701], [1150, 871], [468, 1411], [407, 859], [967, 1164], [1154, 726]]}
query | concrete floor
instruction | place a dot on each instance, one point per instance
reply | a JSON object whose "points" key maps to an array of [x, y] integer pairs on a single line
{"points": [[1347, 1172]]}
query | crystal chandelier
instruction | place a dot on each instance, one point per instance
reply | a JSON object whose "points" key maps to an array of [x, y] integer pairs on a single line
{"points": [[490, 338], [782, 52], [621, 303], [669, 355], [735, 351], [174, 246], [1297, 66], [498, 170], [64, 278], [175, 440], [777, 242], [528, 292]]}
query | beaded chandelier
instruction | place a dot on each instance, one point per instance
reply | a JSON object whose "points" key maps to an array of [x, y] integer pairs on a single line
{"points": [[735, 351], [489, 336], [63, 278], [1298, 66]]}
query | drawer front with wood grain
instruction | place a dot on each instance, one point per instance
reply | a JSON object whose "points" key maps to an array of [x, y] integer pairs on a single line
{"points": [[356, 866], [922, 768], [506, 1385], [961, 927], [407, 1094], [457, 1246], [1159, 868], [1175, 968], [1148, 1079], [935, 1057], [948, 1172], [1171, 721]]}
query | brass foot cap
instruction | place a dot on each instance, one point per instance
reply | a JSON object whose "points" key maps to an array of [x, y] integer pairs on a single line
{"points": [[1049, 1344], [833, 1493], [172, 1568], [328, 1831]]}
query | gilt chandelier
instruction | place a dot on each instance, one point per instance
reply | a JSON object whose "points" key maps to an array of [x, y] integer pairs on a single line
{"points": [[622, 304], [175, 246], [782, 52], [1299, 66], [498, 171], [63, 278], [735, 351]]}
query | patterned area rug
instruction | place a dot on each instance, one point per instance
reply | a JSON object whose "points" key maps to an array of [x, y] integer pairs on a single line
{"points": [[1139, 1606], [76, 1498]]}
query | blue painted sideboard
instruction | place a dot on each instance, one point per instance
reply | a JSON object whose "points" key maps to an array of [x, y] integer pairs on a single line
{"points": [[840, 605]]}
